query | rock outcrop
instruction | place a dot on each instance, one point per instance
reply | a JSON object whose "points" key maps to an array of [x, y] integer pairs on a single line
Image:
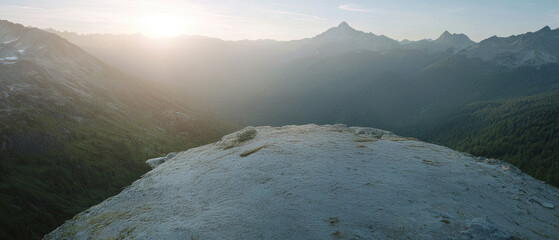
{"points": [[154, 162], [324, 182]]}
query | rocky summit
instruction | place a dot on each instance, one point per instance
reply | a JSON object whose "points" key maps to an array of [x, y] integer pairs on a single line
{"points": [[324, 182]]}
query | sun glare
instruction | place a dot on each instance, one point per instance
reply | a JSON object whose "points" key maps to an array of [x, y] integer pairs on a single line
{"points": [[161, 25]]}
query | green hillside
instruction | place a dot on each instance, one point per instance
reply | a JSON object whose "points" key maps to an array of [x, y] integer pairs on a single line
{"points": [[57, 166], [523, 131]]}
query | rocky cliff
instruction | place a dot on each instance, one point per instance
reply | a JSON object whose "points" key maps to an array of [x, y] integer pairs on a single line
{"points": [[324, 182]]}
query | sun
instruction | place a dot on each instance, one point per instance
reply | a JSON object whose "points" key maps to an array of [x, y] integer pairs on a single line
{"points": [[161, 25]]}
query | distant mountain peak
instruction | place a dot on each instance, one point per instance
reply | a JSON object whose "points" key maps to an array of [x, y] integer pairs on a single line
{"points": [[447, 37], [342, 32], [544, 29], [344, 25], [354, 39], [532, 48], [446, 41]]}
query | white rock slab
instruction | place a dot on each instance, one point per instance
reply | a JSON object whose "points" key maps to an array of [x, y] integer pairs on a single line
{"points": [[324, 182]]}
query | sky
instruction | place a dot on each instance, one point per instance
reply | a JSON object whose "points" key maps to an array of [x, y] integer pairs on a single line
{"points": [[285, 19]]}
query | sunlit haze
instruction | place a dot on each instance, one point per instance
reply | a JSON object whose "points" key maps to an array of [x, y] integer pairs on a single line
{"points": [[284, 20], [161, 25]]}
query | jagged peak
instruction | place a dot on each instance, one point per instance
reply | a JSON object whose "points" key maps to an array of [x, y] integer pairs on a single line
{"points": [[7, 23], [447, 36], [544, 29], [344, 25], [342, 31]]}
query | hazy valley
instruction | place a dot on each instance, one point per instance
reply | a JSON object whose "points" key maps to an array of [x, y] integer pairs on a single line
{"points": [[450, 90]]}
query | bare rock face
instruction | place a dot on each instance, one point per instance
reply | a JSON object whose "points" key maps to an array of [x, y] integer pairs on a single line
{"points": [[234, 139], [154, 162], [324, 182]]}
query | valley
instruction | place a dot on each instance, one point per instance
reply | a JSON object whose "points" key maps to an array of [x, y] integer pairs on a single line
{"points": [[414, 88]]}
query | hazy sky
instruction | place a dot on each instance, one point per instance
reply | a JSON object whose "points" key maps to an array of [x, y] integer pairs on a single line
{"points": [[285, 19]]}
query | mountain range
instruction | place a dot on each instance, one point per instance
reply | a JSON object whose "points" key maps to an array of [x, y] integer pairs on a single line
{"points": [[77, 124], [535, 48], [429, 89], [189, 63], [446, 41]]}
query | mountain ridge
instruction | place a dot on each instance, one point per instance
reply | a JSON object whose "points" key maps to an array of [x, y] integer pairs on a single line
{"points": [[343, 38], [531, 48]]}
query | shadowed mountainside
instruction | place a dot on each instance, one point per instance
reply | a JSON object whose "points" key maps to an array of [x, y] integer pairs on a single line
{"points": [[75, 131]]}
